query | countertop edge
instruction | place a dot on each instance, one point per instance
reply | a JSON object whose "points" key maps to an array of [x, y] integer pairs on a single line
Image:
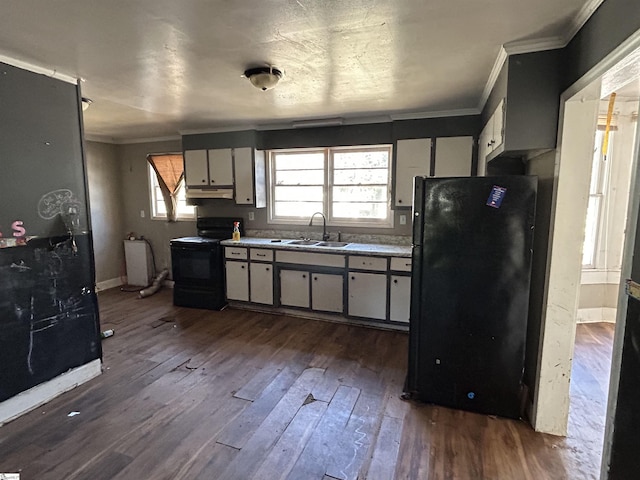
{"points": [[371, 249]]}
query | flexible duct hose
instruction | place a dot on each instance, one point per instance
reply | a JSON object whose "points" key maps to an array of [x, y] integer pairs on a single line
{"points": [[155, 286]]}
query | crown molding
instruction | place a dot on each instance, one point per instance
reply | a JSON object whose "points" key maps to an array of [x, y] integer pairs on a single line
{"points": [[529, 46], [493, 76], [436, 114], [537, 45], [580, 19], [48, 72], [128, 141]]}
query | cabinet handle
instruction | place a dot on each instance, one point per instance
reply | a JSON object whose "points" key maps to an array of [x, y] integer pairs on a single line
{"points": [[235, 253], [204, 181], [261, 254], [248, 199], [304, 276], [315, 278], [213, 181], [242, 267], [267, 269], [353, 278], [399, 200], [395, 281], [407, 264]]}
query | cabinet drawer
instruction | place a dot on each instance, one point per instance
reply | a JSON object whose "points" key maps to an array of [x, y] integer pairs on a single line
{"points": [[368, 263], [400, 264], [235, 252], [322, 259], [261, 254]]}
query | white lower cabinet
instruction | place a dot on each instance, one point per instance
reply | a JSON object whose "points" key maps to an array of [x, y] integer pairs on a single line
{"points": [[294, 288], [368, 295], [326, 292], [237, 281], [261, 276], [399, 298]]}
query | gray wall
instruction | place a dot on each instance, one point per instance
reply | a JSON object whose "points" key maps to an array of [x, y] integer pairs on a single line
{"points": [[610, 25], [543, 167], [135, 195], [107, 212]]}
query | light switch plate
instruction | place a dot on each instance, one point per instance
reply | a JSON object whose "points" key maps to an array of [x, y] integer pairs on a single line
{"points": [[403, 219], [252, 217], [141, 213]]}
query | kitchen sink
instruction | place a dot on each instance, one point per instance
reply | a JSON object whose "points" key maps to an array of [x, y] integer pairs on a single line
{"points": [[303, 242], [332, 244]]}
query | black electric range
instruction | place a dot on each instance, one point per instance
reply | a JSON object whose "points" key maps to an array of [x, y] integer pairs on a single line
{"points": [[197, 264]]}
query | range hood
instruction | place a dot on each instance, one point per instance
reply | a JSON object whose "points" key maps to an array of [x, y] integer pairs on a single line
{"points": [[210, 192]]}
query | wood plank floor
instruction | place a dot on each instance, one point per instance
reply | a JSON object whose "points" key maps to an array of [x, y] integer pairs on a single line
{"points": [[193, 394]]}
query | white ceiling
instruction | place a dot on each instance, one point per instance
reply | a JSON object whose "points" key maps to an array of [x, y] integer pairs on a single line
{"points": [[157, 68]]}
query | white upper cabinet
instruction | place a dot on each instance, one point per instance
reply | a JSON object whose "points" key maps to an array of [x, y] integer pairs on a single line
{"points": [[491, 137], [220, 167], [413, 158], [204, 168], [249, 167], [453, 156], [196, 168]]}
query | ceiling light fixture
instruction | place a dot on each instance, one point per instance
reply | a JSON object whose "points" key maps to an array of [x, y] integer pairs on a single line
{"points": [[264, 78], [85, 103]]}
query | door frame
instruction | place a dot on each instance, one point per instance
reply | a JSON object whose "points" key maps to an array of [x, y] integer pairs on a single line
{"points": [[551, 403]]}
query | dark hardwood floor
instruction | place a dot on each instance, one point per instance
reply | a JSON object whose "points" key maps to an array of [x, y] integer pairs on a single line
{"points": [[194, 394]]}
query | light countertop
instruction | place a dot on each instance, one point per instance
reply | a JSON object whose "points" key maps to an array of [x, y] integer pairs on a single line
{"points": [[351, 248]]}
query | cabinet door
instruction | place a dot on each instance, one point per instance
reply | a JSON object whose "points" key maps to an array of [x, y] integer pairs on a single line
{"points": [[326, 292], [294, 288], [220, 167], [453, 156], [413, 158], [243, 166], [484, 149], [368, 295], [399, 298], [237, 281], [261, 275], [196, 173], [497, 126]]}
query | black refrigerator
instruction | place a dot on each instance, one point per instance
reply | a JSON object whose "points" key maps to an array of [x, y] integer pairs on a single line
{"points": [[472, 247]]}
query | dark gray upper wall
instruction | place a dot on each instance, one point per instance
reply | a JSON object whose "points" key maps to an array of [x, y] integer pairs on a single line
{"points": [[610, 25], [345, 135], [41, 152]]}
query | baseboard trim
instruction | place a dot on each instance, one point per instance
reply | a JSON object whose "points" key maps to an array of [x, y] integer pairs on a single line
{"points": [[107, 284], [45, 392], [599, 314]]}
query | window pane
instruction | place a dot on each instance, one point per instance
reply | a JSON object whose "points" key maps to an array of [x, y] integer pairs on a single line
{"points": [[356, 177], [296, 209], [298, 194], [299, 161], [591, 231], [360, 210], [300, 177], [359, 194], [361, 159]]}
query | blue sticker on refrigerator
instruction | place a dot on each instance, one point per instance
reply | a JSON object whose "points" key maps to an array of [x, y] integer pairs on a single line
{"points": [[496, 196]]}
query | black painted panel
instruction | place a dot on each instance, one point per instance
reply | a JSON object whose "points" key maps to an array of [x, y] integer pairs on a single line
{"points": [[48, 311]]}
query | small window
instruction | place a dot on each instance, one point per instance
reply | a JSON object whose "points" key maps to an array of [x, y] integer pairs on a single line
{"points": [[351, 185], [158, 207], [597, 196]]}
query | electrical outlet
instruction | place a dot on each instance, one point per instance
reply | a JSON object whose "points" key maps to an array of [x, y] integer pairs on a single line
{"points": [[141, 213], [403, 219], [252, 217]]}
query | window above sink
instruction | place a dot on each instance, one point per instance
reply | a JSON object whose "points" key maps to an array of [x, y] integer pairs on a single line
{"points": [[350, 184]]}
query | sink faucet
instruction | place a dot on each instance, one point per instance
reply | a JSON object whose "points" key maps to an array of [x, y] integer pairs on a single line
{"points": [[325, 235]]}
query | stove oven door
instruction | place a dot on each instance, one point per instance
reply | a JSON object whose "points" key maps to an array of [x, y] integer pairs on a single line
{"points": [[196, 265]]}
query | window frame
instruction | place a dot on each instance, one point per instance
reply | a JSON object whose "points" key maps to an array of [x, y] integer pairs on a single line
{"points": [[327, 193], [155, 194]]}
